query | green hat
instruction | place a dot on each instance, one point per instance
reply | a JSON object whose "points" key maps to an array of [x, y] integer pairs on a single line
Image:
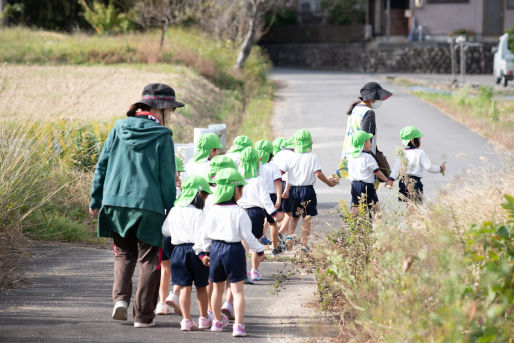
{"points": [[277, 145], [205, 143], [408, 133], [358, 139], [264, 150], [288, 143], [303, 141], [226, 182], [241, 142], [249, 163], [218, 163], [178, 164], [192, 185]]}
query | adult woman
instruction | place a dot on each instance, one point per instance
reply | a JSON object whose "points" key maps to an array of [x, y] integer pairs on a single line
{"points": [[362, 117], [133, 187]]}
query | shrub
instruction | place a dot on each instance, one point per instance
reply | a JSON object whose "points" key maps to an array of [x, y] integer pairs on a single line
{"points": [[106, 18]]}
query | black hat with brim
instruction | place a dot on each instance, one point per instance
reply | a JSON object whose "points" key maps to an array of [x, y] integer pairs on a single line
{"points": [[373, 91], [158, 95]]}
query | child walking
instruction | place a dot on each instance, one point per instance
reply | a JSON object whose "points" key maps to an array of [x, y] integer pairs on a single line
{"points": [[255, 200], [302, 169], [240, 143], [228, 225], [208, 146], [416, 162], [362, 168], [184, 224]]}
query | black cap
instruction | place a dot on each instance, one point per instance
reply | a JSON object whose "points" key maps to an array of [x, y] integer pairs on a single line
{"points": [[158, 95], [373, 91]]}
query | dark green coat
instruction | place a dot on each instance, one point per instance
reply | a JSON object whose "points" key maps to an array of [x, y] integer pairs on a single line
{"points": [[136, 170]]}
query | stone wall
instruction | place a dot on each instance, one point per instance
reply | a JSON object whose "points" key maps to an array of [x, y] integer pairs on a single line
{"points": [[415, 57]]}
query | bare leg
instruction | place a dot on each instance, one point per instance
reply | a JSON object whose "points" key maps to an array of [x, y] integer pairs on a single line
{"points": [[229, 296], [165, 279], [239, 301], [306, 229], [185, 301], [265, 229], [209, 294], [293, 222], [217, 296], [274, 234], [284, 226], [255, 261], [203, 300]]}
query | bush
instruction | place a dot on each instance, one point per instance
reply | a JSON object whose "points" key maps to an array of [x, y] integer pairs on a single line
{"points": [[511, 39], [106, 19]]}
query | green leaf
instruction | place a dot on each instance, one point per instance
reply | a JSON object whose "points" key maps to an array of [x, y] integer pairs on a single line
{"points": [[503, 231]]}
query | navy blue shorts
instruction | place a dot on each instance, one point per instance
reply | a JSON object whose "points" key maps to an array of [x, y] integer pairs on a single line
{"points": [[186, 267], [167, 248], [303, 201], [359, 188], [411, 188], [257, 216], [228, 261], [269, 218], [284, 207]]}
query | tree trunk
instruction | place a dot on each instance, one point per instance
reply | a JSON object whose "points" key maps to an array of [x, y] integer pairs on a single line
{"points": [[163, 33], [246, 46]]}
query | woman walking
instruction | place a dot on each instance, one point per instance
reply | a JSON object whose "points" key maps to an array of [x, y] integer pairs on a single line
{"points": [[133, 188]]}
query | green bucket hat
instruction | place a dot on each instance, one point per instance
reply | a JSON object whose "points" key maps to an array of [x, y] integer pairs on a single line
{"points": [[264, 150], [205, 143], [303, 141], [408, 133], [288, 143], [277, 145], [226, 182], [218, 163], [358, 139], [178, 164], [249, 163], [192, 185], [241, 142]]}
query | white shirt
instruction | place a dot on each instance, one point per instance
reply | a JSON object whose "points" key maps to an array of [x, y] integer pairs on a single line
{"points": [[362, 168], [201, 168], [209, 202], [418, 162], [229, 223], [301, 169], [281, 159], [185, 224], [270, 173], [255, 195], [235, 156]]}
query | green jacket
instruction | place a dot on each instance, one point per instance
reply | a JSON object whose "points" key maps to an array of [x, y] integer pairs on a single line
{"points": [[136, 168]]}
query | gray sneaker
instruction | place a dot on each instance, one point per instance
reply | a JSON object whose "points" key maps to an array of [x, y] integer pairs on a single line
{"points": [[120, 310], [278, 250]]}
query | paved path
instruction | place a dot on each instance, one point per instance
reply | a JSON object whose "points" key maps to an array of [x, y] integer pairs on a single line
{"points": [[318, 101]]}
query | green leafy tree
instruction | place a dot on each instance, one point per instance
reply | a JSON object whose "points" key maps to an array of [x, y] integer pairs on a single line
{"points": [[104, 18]]}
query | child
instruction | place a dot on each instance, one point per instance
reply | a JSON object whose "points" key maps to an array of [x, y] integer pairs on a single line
{"points": [[240, 142], [184, 224], [228, 225], [217, 163], [362, 168], [417, 162], [171, 300], [273, 185], [255, 200], [207, 147], [302, 169]]}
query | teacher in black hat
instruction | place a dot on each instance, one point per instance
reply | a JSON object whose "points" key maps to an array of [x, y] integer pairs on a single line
{"points": [[361, 116]]}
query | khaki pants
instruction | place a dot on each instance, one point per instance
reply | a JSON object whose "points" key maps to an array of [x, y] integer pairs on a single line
{"points": [[129, 250]]}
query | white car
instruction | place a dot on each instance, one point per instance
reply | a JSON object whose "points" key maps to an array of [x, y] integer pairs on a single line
{"points": [[503, 61]]}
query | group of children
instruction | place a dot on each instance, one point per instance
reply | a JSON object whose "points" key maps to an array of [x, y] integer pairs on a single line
{"points": [[220, 215]]}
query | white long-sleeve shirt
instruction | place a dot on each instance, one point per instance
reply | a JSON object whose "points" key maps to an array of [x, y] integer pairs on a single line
{"points": [[362, 168], [201, 168], [185, 224], [229, 223], [418, 162], [255, 195]]}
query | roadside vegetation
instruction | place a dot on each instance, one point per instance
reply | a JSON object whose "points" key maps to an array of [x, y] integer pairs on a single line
{"points": [[485, 110], [443, 273], [61, 94]]}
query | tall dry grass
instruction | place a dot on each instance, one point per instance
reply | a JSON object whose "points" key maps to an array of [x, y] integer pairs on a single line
{"points": [[428, 276]]}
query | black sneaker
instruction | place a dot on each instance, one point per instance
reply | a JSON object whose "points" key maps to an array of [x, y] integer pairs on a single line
{"points": [[278, 250]]}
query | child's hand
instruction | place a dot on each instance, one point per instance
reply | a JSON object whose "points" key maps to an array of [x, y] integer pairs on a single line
{"points": [[285, 195], [278, 203], [206, 260], [389, 184], [94, 211], [443, 168]]}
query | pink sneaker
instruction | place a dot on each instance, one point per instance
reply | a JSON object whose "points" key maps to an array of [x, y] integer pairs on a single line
{"points": [[255, 275], [204, 323], [218, 325], [238, 330], [188, 325]]}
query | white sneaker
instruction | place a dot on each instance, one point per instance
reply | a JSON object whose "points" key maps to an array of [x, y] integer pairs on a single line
{"points": [[120, 310], [172, 300], [228, 310], [162, 309], [144, 325]]}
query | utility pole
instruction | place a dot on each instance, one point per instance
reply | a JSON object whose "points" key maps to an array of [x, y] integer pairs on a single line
{"points": [[388, 20]]}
